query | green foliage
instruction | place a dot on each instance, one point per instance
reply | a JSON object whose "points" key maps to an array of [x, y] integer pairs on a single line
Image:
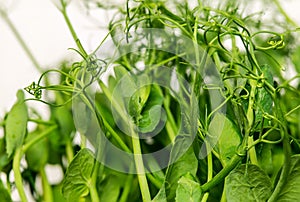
{"points": [[16, 124], [188, 190], [78, 175], [204, 83], [248, 183]]}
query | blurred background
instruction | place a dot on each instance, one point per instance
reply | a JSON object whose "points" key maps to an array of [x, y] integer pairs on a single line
{"points": [[42, 27]]}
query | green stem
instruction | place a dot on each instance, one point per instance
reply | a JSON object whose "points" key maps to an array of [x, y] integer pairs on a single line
{"points": [[72, 30], [209, 170], [250, 118], [37, 138], [47, 191], [223, 173], [287, 154], [17, 159], [69, 151], [17, 174], [127, 188], [20, 40], [138, 159], [93, 190]]}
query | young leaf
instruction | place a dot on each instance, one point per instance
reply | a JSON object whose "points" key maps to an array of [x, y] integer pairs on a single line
{"points": [[5, 197], [291, 190], [225, 136], [188, 190], [16, 124], [187, 163], [76, 181], [247, 183], [161, 195], [153, 113]]}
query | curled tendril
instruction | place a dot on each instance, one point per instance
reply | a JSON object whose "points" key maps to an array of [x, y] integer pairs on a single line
{"points": [[35, 90]]}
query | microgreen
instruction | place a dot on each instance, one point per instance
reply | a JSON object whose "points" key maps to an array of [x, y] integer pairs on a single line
{"points": [[196, 107]]}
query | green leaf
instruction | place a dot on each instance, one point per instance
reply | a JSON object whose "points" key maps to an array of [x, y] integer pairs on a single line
{"points": [[264, 99], [16, 124], [188, 190], [37, 155], [110, 189], [291, 190], [5, 162], [161, 195], [187, 163], [224, 134], [153, 112], [78, 175], [247, 183], [57, 195], [5, 197], [265, 158]]}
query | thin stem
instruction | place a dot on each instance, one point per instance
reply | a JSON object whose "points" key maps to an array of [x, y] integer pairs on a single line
{"points": [[37, 138], [72, 30], [20, 40], [209, 170], [47, 191], [138, 159], [17, 174], [250, 118], [223, 173]]}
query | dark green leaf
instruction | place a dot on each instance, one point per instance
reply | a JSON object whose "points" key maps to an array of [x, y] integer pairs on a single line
{"points": [[264, 156], [248, 183], [4, 195], [263, 97], [225, 136], [291, 190], [16, 124], [188, 190], [76, 181], [110, 189]]}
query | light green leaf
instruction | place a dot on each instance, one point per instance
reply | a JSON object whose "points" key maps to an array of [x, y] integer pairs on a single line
{"points": [[37, 155], [16, 124], [248, 183], [187, 163], [161, 195], [78, 175], [188, 190], [291, 190], [225, 136], [5, 197]]}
